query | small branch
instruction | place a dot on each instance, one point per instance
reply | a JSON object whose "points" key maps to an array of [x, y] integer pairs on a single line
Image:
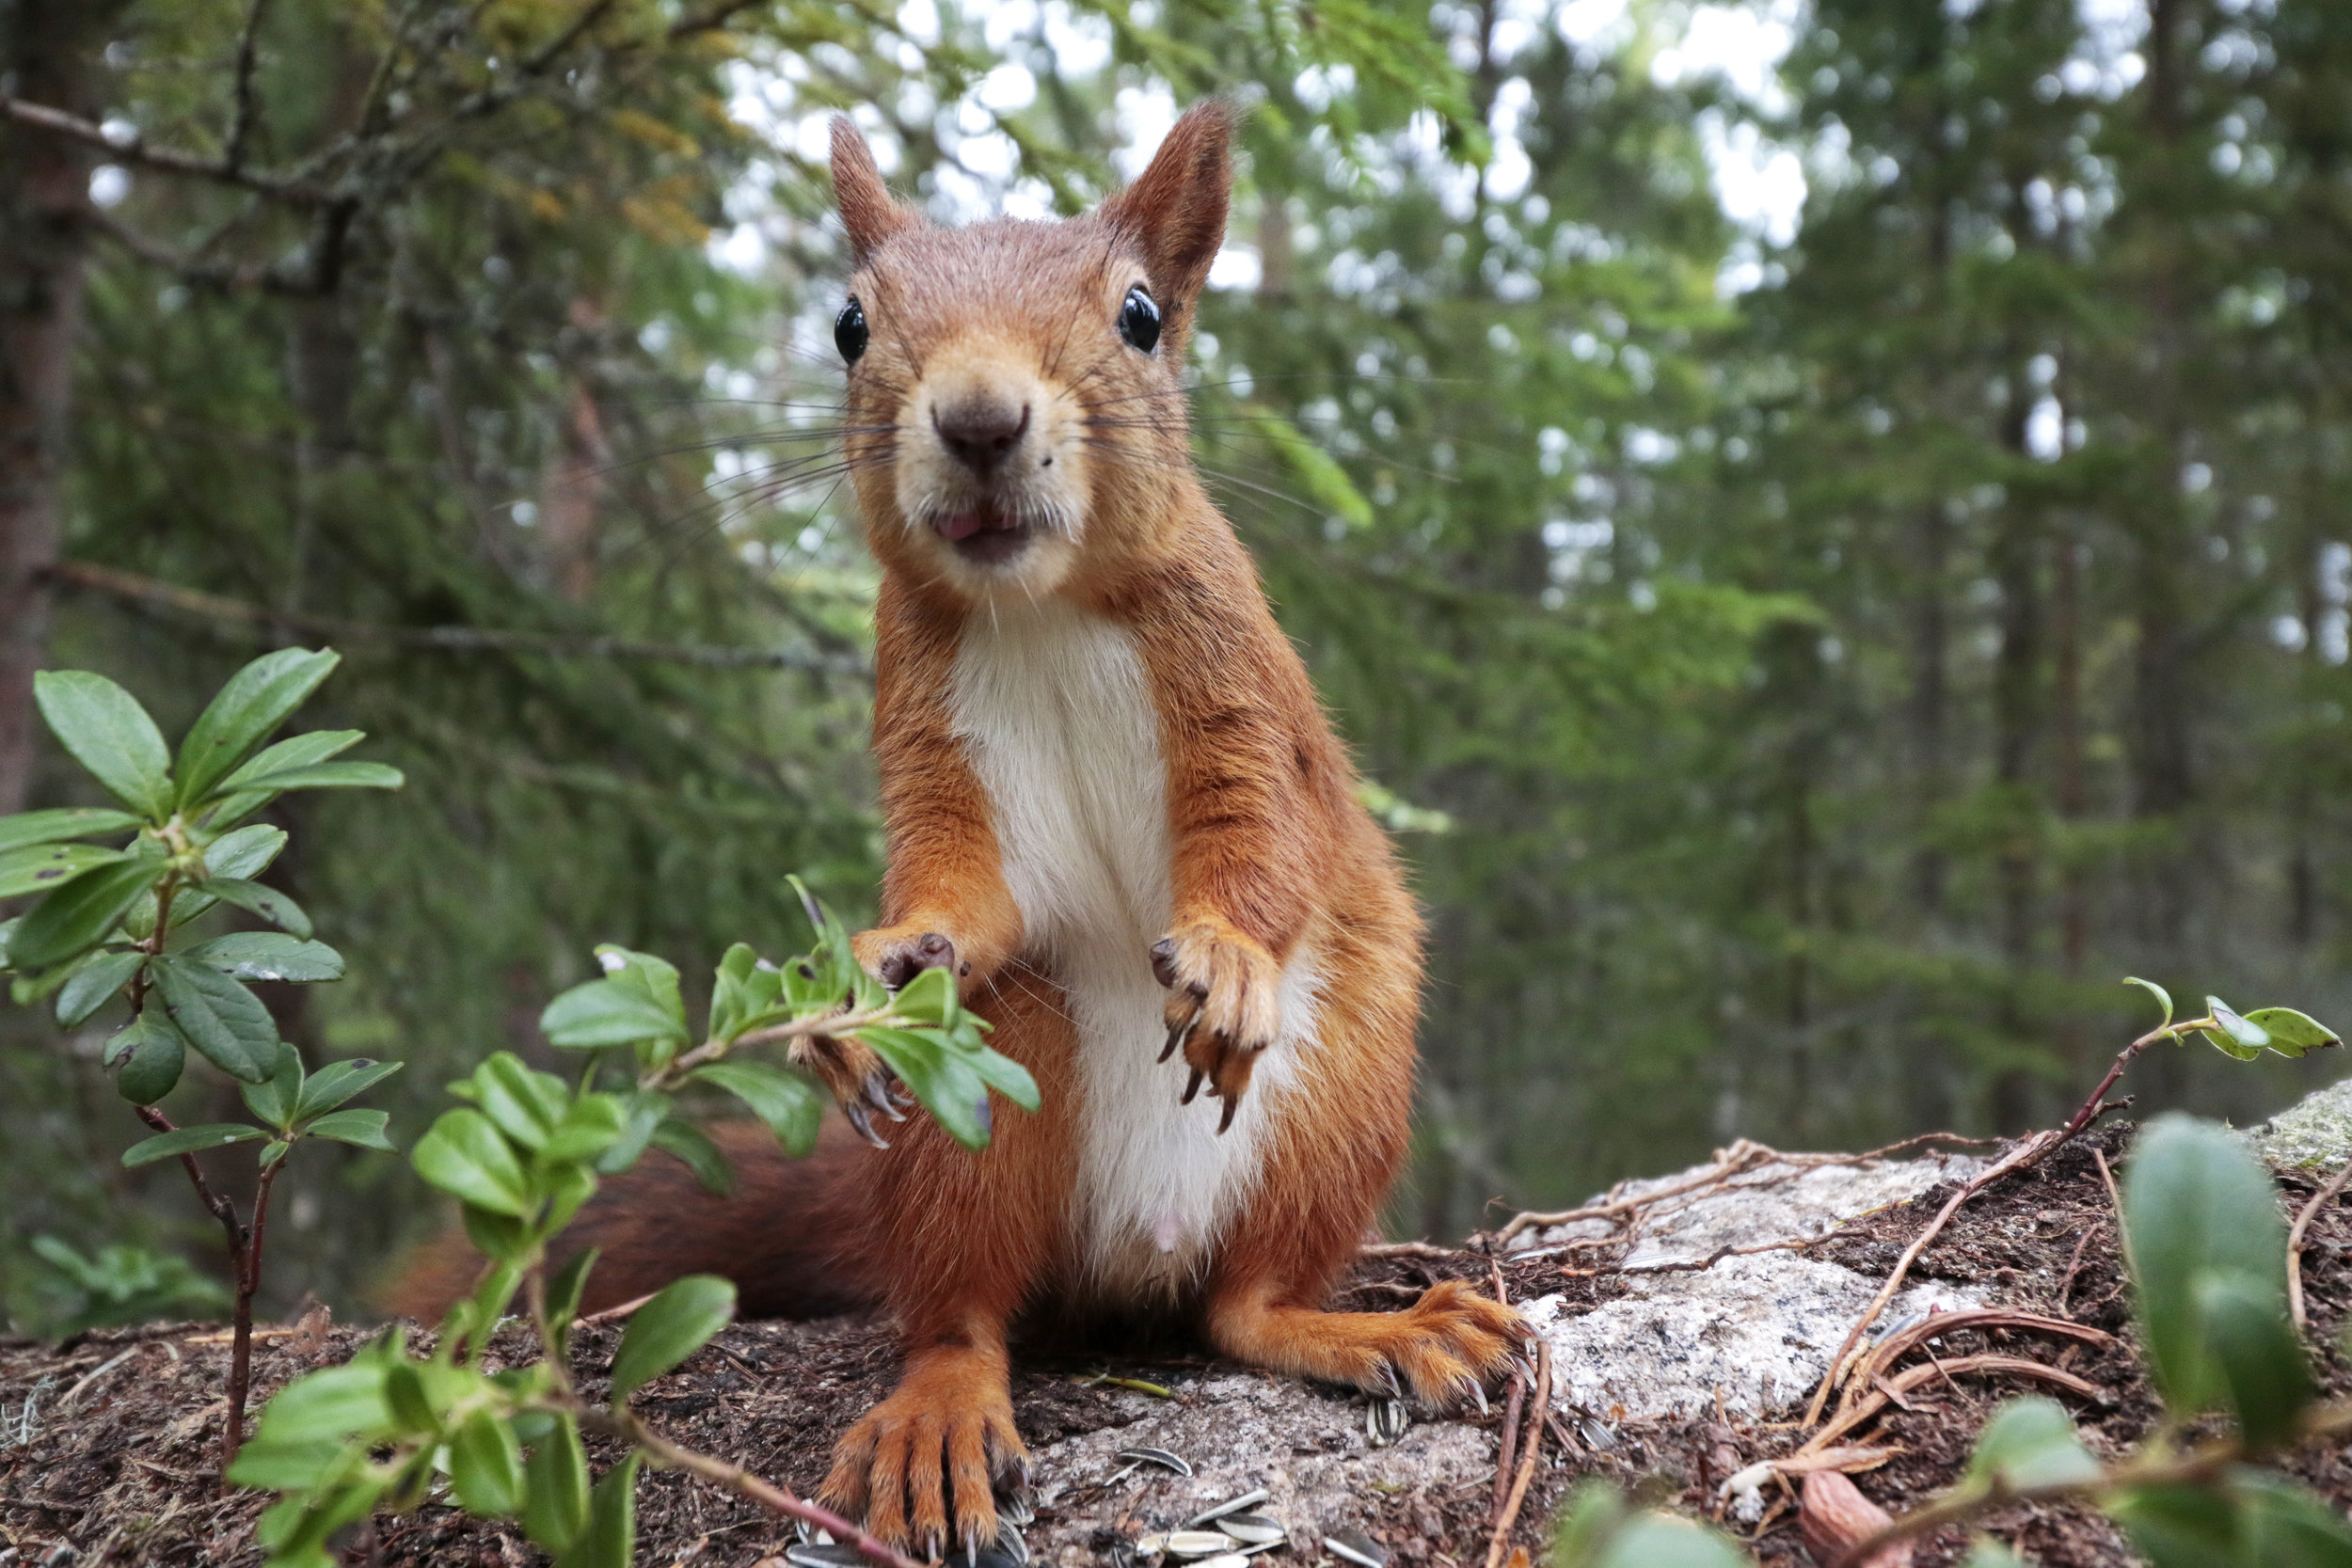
{"points": [[629, 1428], [711, 19], [1541, 1405], [241, 129], [133, 149], [1696, 1265], [241, 1348], [2295, 1236]]}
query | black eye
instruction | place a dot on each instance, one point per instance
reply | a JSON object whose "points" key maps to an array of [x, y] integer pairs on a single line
{"points": [[849, 331], [1139, 320]]}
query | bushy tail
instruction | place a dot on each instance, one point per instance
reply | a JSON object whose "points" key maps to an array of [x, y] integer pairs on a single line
{"points": [[790, 1235]]}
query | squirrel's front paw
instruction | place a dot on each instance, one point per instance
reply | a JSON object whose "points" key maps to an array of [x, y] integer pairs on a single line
{"points": [[896, 953], [1224, 1007], [857, 1080]]}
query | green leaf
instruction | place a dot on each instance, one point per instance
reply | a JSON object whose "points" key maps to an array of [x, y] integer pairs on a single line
{"points": [[590, 1125], [329, 1406], [567, 1285], [1985, 1552], [268, 903], [464, 1154], [606, 1012], [790, 1105], [110, 733], [220, 1018], [555, 1488], [190, 1140], [94, 984], [49, 827], [78, 916], [1006, 1076], [944, 1081], [323, 775], [283, 1468], [929, 998], [153, 1055], [525, 1105], [295, 751], [2261, 1359], [608, 1538], [2229, 1047], [2292, 1033], [2030, 1442], [274, 1100], [363, 1128], [642, 1111], [269, 956], [256, 699], [275, 1150], [728, 998], [41, 867], [700, 1155], [246, 853], [339, 1081], [411, 1404], [2241, 1030], [1663, 1540], [2197, 1206], [485, 1466], [2164, 998], [669, 1328]]}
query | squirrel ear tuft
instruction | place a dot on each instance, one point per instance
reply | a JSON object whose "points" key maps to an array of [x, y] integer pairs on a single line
{"points": [[869, 211], [1175, 212]]}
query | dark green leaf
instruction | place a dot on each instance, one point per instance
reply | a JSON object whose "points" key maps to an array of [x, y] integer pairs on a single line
{"points": [[465, 1156], [110, 733], [669, 1328], [256, 699], [2261, 1359], [603, 1012], [94, 984], [485, 1466], [274, 1150], [566, 1286], [525, 1105], [339, 1081], [329, 1406], [555, 1488], [274, 1100], [153, 1055], [38, 867], [270, 904], [642, 1111], [295, 751], [49, 827], [225, 1021], [609, 1539], [790, 1105], [944, 1081], [364, 1129], [701, 1156], [190, 1140], [2292, 1033], [2197, 1205], [2284, 1526], [323, 775], [412, 1407], [269, 956], [2030, 1442], [246, 853], [2164, 998], [78, 916]]}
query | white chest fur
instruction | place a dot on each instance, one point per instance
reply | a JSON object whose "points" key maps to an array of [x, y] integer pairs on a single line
{"points": [[1055, 709]]}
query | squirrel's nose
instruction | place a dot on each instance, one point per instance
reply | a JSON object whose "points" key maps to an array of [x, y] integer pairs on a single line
{"points": [[981, 428]]}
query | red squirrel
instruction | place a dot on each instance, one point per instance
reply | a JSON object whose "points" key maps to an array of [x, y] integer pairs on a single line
{"points": [[1115, 808]]}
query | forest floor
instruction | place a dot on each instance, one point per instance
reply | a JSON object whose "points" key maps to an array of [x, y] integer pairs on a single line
{"points": [[119, 1466]]}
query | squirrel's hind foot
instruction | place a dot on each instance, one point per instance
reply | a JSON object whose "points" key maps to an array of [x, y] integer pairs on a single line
{"points": [[925, 1466], [1441, 1351]]}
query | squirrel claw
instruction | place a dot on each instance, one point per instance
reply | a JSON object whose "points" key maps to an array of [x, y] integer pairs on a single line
{"points": [[880, 1095], [1192, 1088], [1176, 1032], [857, 1117], [1232, 1104]]}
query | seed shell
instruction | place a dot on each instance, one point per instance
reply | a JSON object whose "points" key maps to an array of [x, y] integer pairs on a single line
{"points": [[1251, 1529], [1232, 1505]]}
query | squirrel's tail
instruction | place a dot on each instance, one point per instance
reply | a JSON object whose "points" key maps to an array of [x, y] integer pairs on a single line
{"points": [[789, 1235]]}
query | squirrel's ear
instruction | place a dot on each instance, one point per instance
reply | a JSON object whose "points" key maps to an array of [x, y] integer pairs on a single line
{"points": [[1175, 214], [869, 211]]}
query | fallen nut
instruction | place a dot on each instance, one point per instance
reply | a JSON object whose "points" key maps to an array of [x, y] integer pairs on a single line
{"points": [[1834, 1517]]}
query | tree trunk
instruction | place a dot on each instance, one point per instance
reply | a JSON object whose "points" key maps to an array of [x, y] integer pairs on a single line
{"points": [[49, 55]]}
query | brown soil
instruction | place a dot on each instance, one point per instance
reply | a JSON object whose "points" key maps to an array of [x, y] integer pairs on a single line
{"points": [[122, 1473]]}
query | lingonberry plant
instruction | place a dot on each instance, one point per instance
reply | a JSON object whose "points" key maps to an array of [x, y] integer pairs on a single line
{"points": [[114, 921], [397, 1426]]}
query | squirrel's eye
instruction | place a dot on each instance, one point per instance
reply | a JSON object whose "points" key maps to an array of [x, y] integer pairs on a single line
{"points": [[849, 331], [1139, 320]]}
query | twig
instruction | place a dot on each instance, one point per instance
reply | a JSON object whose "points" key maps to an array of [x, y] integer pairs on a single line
{"points": [[1698, 1265], [241, 1348], [1404, 1249], [629, 1428], [73, 1393], [1913, 1377], [615, 1314], [133, 149], [191, 601], [2326, 1196], [1507, 1448], [241, 129], [1839, 1363], [1527, 1456]]}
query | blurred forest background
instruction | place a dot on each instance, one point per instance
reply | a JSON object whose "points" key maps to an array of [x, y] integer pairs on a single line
{"points": [[1808, 654]]}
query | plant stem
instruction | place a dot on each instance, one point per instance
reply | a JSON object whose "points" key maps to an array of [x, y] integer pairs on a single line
{"points": [[625, 1426], [241, 1348], [671, 1074]]}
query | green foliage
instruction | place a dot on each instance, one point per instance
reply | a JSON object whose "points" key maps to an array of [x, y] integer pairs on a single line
{"points": [[118, 1284]]}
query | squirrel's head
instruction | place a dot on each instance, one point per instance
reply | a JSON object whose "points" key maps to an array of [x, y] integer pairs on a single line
{"points": [[1015, 401]]}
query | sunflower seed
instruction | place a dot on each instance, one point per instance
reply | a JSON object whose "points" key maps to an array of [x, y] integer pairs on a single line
{"points": [[1251, 1529], [824, 1554], [1199, 1543], [1387, 1421], [1358, 1549], [1016, 1507], [1225, 1560], [1150, 1546], [1009, 1543], [1161, 1457], [1232, 1505], [1596, 1435]]}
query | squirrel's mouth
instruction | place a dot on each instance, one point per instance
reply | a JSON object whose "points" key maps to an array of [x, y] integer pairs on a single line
{"points": [[986, 535]]}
